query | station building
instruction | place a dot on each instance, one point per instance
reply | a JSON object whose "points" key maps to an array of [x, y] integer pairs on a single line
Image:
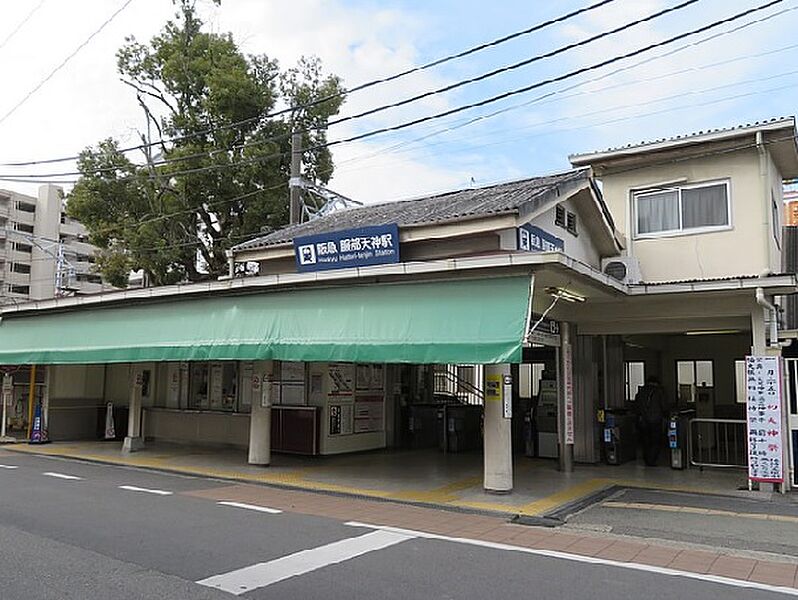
{"points": [[519, 318]]}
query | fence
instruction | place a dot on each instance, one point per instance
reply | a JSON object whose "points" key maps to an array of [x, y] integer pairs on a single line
{"points": [[718, 443]]}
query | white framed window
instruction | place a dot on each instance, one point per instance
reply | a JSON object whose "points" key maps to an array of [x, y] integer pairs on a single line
{"points": [[634, 378], [692, 374], [682, 209]]}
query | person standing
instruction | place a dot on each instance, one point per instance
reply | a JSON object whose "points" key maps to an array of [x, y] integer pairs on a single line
{"points": [[651, 411]]}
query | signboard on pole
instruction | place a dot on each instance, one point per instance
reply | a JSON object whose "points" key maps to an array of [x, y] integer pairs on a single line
{"points": [[377, 245], [764, 419], [546, 331]]}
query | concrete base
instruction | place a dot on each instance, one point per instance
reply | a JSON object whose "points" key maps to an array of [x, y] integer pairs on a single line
{"points": [[8, 440], [133, 444]]}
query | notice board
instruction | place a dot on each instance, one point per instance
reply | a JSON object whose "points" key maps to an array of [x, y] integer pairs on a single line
{"points": [[764, 419]]}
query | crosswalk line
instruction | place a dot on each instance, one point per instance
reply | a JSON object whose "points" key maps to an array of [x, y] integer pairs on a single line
{"points": [[262, 575]]}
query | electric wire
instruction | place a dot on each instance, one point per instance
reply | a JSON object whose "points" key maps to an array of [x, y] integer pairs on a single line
{"points": [[492, 99], [356, 88], [21, 24], [63, 63]]}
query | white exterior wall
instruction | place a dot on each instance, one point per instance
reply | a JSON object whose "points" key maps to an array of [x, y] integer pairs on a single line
{"points": [[740, 250], [578, 246]]}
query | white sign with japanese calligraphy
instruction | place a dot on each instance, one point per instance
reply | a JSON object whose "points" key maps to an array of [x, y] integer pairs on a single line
{"points": [[764, 418]]}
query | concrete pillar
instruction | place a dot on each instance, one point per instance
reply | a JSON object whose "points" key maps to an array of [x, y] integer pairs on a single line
{"points": [[498, 459], [565, 412], [260, 417], [134, 441]]}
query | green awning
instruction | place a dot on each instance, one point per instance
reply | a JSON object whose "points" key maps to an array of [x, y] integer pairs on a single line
{"points": [[463, 321]]}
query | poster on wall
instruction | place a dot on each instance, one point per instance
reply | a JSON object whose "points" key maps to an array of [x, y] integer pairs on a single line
{"points": [[216, 385], [377, 377], [292, 371], [369, 414], [335, 419], [764, 419], [363, 377], [341, 379], [346, 419], [247, 373]]}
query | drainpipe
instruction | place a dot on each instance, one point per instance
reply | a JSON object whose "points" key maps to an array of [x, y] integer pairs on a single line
{"points": [[764, 177], [774, 329]]}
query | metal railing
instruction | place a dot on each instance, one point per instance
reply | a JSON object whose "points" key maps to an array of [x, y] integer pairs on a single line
{"points": [[448, 382], [718, 443]]}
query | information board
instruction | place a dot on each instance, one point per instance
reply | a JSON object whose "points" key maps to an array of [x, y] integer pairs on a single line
{"points": [[568, 391], [764, 419]]}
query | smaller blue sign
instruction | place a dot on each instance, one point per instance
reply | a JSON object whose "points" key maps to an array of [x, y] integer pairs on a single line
{"points": [[377, 245], [535, 239]]}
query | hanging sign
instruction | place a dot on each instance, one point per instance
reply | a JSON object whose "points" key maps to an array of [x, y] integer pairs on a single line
{"points": [[546, 331], [377, 245], [764, 419], [535, 239]]}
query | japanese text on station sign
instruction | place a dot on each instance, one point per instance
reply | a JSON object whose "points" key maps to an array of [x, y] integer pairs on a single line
{"points": [[350, 248], [763, 417], [535, 239]]}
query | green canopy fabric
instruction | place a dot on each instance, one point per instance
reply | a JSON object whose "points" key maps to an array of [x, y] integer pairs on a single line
{"points": [[470, 321]]}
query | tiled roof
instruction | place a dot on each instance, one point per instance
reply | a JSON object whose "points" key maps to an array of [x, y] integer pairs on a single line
{"points": [[642, 145], [447, 207]]}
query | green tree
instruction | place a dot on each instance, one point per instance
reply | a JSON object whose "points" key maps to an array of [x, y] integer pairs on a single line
{"points": [[175, 214]]}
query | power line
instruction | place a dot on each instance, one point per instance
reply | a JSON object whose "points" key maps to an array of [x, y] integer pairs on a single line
{"points": [[551, 96], [21, 24], [517, 65], [64, 62], [337, 95], [550, 80], [490, 100], [417, 97]]}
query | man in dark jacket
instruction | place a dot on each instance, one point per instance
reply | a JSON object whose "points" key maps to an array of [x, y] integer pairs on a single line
{"points": [[651, 411]]}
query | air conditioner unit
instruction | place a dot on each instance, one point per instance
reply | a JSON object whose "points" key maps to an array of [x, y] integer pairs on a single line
{"points": [[623, 268]]}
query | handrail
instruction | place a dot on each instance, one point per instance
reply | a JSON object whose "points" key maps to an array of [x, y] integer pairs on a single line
{"points": [[719, 443], [462, 387]]}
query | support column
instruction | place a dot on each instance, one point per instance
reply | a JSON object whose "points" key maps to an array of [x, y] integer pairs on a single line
{"points": [[260, 418], [498, 452], [133, 440], [565, 411]]}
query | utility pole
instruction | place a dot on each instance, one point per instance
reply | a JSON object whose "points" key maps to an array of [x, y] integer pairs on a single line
{"points": [[294, 184]]}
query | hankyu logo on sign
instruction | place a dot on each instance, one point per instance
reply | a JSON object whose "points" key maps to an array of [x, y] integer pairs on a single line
{"points": [[350, 248], [535, 239]]}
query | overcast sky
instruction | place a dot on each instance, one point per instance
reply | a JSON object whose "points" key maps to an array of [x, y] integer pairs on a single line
{"points": [[738, 77]]}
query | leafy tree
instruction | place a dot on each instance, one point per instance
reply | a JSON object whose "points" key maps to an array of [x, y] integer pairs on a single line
{"points": [[218, 181]]}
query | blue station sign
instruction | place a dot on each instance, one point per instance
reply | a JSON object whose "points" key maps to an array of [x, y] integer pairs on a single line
{"points": [[377, 245], [535, 239]]}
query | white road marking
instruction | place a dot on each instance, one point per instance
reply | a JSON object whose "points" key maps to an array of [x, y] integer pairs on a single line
{"points": [[264, 509], [585, 559], [261, 575], [9, 467], [133, 488], [62, 476]]}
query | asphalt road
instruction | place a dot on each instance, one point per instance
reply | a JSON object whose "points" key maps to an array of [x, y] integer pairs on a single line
{"points": [[76, 530]]}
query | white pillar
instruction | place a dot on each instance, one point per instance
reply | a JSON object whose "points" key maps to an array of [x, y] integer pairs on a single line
{"points": [[260, 417], [133, 440], [498, 451]]}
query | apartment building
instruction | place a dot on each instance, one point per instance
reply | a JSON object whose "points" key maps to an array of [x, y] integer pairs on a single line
{"points": [[33, 232]]}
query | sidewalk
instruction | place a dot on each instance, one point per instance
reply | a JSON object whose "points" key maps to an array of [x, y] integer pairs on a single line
{"points": [[424, 477], [681, 557]]}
